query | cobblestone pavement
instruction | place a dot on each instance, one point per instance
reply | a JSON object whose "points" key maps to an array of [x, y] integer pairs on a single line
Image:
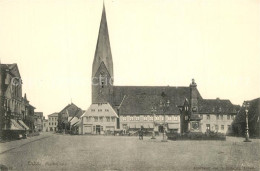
{"points": [[66, 152]]}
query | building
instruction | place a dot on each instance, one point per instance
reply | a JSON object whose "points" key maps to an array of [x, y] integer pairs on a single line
{"points": [[53, 122], [98, 119], [45, 125], [38, 121], [66, 115], [146, 106], [15, 110]]}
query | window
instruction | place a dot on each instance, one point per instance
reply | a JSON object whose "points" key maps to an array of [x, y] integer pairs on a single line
{"points": [[100, 110], [232, 116], [222, 127], [124, 118], [145, 118], [221, 117], [217, 116], [156, 117], [106, 110], [170, 118], [108, 119], [151, 118], [208, 127], [101, 119], [228, 117], [175, 118], [186, 118], [131, 118], [113, 119], [208, 117], [49, 123], [92, 110], [137, 118], [94, 128], [162, 118], [216, 127]]}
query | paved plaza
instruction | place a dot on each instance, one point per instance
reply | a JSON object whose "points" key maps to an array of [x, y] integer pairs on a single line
{"points": [[65, 152]]}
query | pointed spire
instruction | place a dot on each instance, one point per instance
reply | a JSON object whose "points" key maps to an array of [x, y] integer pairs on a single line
{"points": [[103, 50]]}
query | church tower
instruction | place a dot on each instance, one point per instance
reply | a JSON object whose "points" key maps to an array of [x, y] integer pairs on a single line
{"points": [[102, 68]]}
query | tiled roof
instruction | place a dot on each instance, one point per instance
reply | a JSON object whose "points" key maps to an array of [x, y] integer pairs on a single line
{"points": [[102, 109], [53, 114], [140, 99], [216, 106], [72, 110]]}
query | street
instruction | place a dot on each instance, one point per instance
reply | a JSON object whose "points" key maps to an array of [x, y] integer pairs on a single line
{"points": [[66, 152]]}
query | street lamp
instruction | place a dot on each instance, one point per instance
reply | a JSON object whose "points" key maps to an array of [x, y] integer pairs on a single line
{"points": [[246, 104], [164, 106], [153, 110]]}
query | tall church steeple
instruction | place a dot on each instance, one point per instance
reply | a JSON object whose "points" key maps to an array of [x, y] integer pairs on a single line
{"points": [[103, 50], [102, 68]]}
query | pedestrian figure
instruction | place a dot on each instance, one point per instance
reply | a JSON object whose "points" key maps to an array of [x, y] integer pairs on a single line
{"points": [[140, 134]]}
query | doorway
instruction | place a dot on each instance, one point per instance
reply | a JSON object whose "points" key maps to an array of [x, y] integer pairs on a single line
{"points": [[97, 129], [160, 128]]}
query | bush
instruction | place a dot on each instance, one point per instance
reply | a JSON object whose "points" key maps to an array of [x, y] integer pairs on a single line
{"points": [[196, 136]]}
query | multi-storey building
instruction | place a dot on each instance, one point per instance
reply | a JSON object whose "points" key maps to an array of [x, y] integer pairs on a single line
{"points": [[16, 112], [53, 122], [98, 119], [38, 121]]}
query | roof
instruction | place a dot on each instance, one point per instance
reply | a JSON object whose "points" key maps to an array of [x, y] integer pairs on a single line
{"points": [[53, 115], [103, 50], [140, 99], [38, 114], [72, 110], [101, 109], [217, 106]]}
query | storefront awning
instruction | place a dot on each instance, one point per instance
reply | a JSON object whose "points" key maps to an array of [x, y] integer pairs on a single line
{"points": [[173, 125], [23, 125], [15, 125], [148, 125]]}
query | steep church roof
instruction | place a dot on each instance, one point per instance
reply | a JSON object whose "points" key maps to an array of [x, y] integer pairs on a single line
{"points": [[140, 99], [103, 50]]}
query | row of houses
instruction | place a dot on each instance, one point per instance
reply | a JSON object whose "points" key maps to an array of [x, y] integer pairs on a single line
{"points": [[17, 116]]}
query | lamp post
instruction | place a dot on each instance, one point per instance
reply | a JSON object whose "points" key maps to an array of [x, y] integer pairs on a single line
{"points": [[153, 110], [246, 104], [164, 106]]}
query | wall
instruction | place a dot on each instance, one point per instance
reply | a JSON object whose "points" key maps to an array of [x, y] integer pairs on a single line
{"points": [[214, 121]]}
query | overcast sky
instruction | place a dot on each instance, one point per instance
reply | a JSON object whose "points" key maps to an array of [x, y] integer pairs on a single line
{"points": [[153, 42]]}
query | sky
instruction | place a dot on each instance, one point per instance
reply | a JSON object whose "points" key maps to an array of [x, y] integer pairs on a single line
{"points": [[153, 43]]}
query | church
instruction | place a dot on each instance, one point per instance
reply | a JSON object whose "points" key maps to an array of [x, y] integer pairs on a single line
{"points": [[154, 108]]}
